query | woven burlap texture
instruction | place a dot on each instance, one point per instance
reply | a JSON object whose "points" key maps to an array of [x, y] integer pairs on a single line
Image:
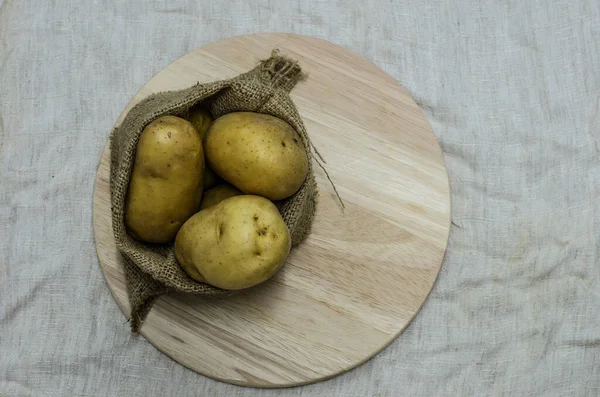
{"points": [[152, 270]]}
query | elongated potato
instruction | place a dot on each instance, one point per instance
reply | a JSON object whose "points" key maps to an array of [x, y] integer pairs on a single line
{"points": [[166, 182]]}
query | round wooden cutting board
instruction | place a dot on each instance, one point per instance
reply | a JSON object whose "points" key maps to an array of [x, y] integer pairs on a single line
{"points": [[364, 271]]}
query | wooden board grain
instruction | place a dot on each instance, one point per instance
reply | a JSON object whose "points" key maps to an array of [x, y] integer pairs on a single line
{"points": [[362, 274]]}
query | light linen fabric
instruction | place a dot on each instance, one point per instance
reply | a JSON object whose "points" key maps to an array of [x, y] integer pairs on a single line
{"points": [[511, 89]]}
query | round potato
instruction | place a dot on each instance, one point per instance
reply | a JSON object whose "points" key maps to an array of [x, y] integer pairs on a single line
{"points": [[257, 153], [236, 244], [165, 188], [217, 194]]}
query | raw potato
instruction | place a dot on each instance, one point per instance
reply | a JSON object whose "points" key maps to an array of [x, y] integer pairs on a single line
{"points": [[257, 153], [210, 178], [200, 119], [236, 244], [217, 194], [166, 182]]}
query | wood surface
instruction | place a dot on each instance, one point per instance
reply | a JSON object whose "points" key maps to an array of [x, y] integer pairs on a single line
{"points": [[362, 274]]}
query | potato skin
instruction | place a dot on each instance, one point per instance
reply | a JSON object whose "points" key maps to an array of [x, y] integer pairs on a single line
{"points": [[259, 154], [236, 244], [217, 194], [165, 188], [210, 178], [200, 118]]}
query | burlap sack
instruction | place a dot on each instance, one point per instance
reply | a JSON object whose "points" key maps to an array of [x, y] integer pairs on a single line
{"points": [[152, 270]]}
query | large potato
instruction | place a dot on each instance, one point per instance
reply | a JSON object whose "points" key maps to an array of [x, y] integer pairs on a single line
{"points": [[217, 194], [238, 243], [257, 153], [166, 182]]}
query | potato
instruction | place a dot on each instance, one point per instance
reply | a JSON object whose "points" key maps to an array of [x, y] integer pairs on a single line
{"points": [[257, 153], [217, 194], [166, 182], [236, 244], [200, 119], [210, 178]]}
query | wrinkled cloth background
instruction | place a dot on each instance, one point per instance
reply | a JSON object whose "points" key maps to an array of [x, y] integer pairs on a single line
{"points": [[511, 89]]}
